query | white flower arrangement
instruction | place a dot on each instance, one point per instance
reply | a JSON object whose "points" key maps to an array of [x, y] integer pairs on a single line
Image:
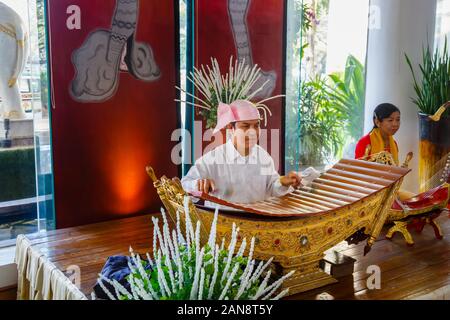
{"points": [[183, 270], [237, 84]]}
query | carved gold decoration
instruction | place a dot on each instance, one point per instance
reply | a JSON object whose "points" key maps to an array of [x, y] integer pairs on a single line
{"points": [[398, 216], [12, 82], [294, 243], [408, 159], [437, 116], [21, 43], [382, 157], [402, 227], [9, 31], [382, 216]]}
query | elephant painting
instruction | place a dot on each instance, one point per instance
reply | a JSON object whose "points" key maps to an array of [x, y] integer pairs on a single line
{"points": [[13, 56], [105, 52]]}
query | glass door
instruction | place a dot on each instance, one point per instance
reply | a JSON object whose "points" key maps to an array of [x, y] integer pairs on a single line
{"points": [[26, 178], [325, 80]]}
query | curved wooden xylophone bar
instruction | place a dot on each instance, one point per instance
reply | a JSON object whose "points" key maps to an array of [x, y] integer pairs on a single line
{"points": [[350, 200]]}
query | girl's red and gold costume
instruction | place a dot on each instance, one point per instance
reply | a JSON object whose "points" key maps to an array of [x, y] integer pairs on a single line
{"points": [[376, 142]]}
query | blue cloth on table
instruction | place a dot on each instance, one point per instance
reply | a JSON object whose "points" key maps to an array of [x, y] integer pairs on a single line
{"points": [[115, 268]]}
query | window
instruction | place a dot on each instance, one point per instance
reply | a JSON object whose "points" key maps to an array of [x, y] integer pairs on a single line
{"points": [[186, 18], [442, 22], [325, 80], [26, 180]]}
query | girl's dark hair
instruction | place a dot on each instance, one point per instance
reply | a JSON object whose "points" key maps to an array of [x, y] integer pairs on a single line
{"points": [[383, 111]]}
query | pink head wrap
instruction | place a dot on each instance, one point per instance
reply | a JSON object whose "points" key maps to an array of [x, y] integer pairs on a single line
{"points": [[239, 110]]}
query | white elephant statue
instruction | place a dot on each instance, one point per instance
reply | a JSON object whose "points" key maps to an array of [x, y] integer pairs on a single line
{"points": [[13, 56]]}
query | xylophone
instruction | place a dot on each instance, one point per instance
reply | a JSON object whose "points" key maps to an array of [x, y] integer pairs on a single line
{"points": [[351, 201]]}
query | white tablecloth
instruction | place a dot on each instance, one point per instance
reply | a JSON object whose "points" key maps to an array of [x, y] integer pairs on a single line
{"points": [[38, 278]]}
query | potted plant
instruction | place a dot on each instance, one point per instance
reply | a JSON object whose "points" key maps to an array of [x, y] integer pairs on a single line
{"points": [[347, 92], [432, 96], [321, 124], [180, 268]]}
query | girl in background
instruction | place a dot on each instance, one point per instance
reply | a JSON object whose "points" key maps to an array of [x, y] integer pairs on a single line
{"points": [[386, 120]]}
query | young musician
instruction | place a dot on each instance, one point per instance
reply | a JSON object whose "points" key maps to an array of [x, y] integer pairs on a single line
{"points": [[386, 119], [239, 171]]}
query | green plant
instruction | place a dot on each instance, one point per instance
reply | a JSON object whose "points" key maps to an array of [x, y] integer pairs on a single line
{"points": [[348, 96], [305, 12], [183, 270], [434, 88], [319, 132]]}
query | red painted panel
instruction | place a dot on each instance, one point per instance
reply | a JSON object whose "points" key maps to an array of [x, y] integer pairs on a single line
{"points": [[101, 149], [265, 22]]}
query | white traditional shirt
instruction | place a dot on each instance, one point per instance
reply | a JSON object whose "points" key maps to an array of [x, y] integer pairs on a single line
{"points": [[237, 178]]}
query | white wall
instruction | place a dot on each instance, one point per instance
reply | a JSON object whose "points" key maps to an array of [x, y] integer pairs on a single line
{"points": [[404, 26], [8, 269]]}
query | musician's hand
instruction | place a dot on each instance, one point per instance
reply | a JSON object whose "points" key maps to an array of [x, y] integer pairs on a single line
{"points": [[291, 179], [206, 185]]}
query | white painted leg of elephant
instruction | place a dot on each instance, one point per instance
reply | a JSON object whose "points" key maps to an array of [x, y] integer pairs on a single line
{"points": [[237, 11], [10, 96], [13, 56]]}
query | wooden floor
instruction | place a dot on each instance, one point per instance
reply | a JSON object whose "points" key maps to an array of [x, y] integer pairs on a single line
{"points": [[8, 294], [405, 272]]}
